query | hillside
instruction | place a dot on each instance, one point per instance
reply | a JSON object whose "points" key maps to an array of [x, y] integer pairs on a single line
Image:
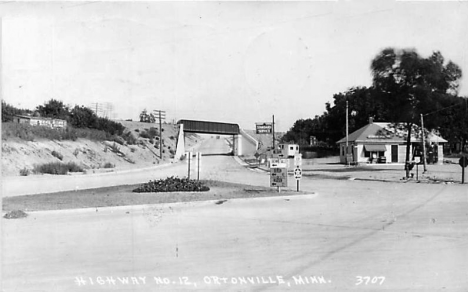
{"points": [[93, 156]]}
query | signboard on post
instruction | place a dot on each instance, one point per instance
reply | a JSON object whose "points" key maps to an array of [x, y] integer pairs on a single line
{"points": [[264, 128], [297, 173], [194, 163], [279, 177], [463, 163], [278, 162], [298, 159]]}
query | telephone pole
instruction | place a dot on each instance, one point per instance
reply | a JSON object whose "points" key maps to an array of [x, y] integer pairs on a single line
{"points": [[273, 130], [161, 115], [423, 143], [347, 142]]}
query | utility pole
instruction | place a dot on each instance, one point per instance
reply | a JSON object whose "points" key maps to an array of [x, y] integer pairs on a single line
{"points": [[423, 143], [162, 115], [346, 153], [273, 130]]}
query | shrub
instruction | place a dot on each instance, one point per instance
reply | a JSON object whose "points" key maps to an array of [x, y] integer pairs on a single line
{"points": [[57, 155], [15, 214], [129, 138], [118, 139], [145, 134], [172, 137], [24, 172], [172, 152], [172, 184], [109, 165], [57, 168]]}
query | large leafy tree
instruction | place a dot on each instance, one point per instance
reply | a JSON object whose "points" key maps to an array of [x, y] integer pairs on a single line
{"points": [[411, 85], [8, 111], [54, 109]]}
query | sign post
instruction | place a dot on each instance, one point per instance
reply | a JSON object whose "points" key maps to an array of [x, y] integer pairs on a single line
{"points": [[189, 157], [278, 173], [417, 161], [297, 170], [463, 163]]}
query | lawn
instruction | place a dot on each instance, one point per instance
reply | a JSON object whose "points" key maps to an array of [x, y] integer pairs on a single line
{"points": [[123, 196]]}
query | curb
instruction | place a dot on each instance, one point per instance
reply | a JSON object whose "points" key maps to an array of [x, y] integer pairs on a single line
{"points": [[138, 208]]}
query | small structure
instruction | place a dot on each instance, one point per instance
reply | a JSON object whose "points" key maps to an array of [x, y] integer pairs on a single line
{"points": [[386, 143], [289, 150], [40, 121]]}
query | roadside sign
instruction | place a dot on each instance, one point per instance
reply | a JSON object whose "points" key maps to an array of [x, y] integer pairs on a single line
{"points": [[463, 161], [264, 128], [278, 163], [297, 173], [417, 159], [298, 159], [278, 177]]}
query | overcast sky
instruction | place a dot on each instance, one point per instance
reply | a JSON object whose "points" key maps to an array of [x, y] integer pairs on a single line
{"points": [[235, 62]]}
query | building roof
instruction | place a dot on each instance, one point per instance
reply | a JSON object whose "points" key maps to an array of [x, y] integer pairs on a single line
{"points": [[387, 133]]}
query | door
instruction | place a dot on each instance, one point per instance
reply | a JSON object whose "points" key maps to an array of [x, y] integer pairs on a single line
{"points": [[394, 153]]}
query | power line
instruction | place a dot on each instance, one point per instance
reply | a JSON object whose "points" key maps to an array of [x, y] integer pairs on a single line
{"points": [[453, 105]]}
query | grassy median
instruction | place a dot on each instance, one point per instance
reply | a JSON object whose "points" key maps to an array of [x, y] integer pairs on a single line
{"points": [[124, 196]]}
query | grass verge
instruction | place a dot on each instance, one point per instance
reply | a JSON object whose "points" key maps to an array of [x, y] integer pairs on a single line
{"points": [[123, 196]]}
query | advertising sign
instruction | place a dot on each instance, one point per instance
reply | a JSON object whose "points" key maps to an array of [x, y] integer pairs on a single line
{"points": [[264, 128]]}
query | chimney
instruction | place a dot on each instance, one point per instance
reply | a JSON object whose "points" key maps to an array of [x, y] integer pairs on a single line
{"points": [[371, 120]]}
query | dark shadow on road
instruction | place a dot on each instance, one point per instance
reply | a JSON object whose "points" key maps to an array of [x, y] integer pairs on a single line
{"points": [[217, 154], [348, 169]]}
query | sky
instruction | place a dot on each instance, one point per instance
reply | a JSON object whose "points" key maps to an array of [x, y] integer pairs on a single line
{"points": [[233, 62]]}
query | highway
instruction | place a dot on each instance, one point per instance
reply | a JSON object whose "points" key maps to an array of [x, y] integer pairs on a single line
{"points": [[343, 236]]}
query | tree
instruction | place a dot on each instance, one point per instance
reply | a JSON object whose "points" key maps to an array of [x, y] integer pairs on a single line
{"points": [[453, 120], [147, 118], [83, 117], [54, 109], [411, 85], [8, 111]]}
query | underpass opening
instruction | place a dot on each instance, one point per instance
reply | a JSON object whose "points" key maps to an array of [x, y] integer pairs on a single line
{"points": [[217, 138]]}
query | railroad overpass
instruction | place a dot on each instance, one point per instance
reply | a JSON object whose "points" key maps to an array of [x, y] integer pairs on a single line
{"points": [[243, 143]]}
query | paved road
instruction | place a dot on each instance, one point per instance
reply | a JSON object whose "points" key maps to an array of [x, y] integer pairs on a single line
{"points": [[20, 185], [404, 237]]}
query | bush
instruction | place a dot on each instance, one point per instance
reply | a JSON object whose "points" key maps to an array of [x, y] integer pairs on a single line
{"points": [[57, 168], [172, 184], [129, 138], [57, 155], [118, 139], [24, 172], [15, 214], [109, 165], [150, 133]]}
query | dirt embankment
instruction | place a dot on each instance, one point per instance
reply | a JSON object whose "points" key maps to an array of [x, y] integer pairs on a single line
{"points": [[93, 156]]}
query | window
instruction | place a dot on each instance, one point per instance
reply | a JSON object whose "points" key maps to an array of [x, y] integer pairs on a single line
{"points": [[366, 153]]}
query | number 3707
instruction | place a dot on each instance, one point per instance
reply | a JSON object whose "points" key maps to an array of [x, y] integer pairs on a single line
{"points": [[360, 280]]}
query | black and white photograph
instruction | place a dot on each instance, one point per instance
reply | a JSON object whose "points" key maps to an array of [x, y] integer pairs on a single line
{"points": [[234, 146]]}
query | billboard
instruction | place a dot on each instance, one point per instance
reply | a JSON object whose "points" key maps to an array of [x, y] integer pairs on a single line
{"points": [[264, 128]]}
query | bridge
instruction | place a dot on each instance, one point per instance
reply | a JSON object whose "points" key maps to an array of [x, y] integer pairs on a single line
{"points": [[243, 143]]}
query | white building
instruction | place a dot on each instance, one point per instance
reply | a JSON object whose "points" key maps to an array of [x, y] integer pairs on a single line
{"points": [[386, 143]]}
